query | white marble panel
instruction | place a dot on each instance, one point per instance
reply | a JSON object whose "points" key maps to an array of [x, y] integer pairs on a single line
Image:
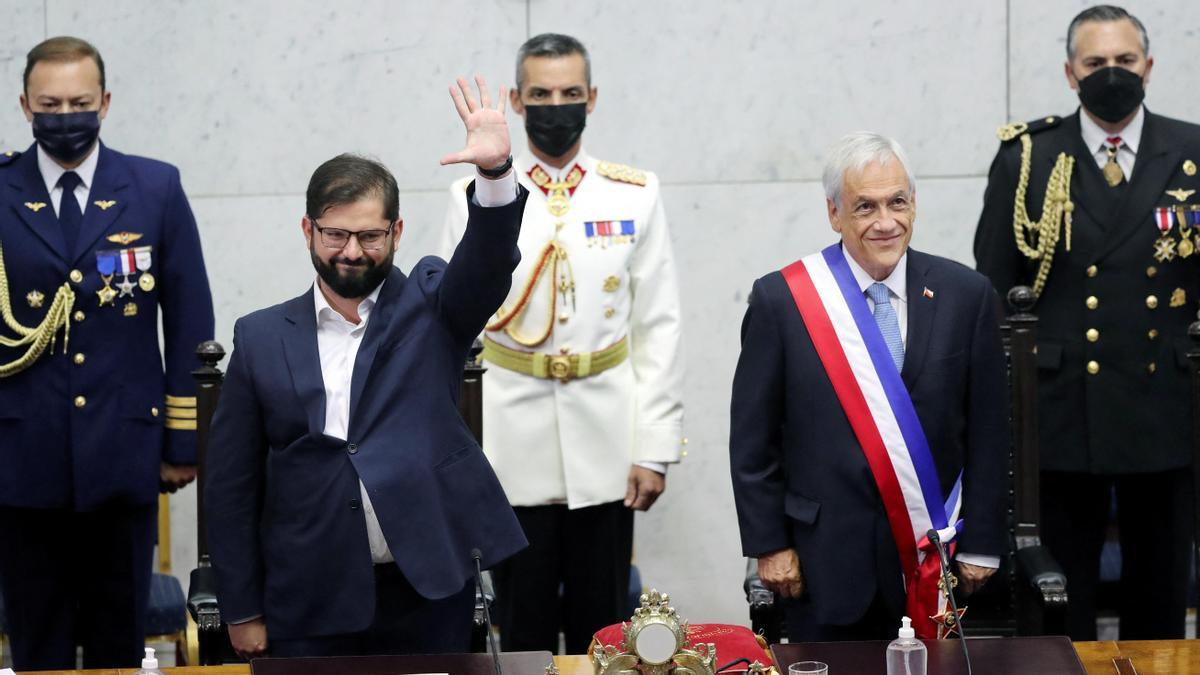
{"points": [[741, 91], [23, 26], [248, 97], [1037, 81]]}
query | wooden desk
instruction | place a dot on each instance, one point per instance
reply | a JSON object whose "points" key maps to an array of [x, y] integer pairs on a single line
{"points": [[1149, 657], [567, 665]]}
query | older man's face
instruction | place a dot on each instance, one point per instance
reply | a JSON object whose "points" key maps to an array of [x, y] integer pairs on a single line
{"points": [[875, 216], [1103, 44]]}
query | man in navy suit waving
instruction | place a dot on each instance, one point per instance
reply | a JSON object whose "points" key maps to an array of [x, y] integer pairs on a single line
{"points": [[869, 408], [96, 415], [346, 497]]}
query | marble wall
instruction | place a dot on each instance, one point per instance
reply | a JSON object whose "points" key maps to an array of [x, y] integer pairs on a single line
{"points": [[732, 103]]}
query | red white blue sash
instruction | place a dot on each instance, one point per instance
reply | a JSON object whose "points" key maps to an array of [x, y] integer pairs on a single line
{"points": [[881, 413]]}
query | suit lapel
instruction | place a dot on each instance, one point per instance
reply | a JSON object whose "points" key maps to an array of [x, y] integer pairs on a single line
{"points": [[31, 202], [377, 328], [921, 311], [1156, 161], [110, 180], [304, 359]]}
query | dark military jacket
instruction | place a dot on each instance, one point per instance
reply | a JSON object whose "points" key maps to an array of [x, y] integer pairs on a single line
{"points": [[1112, 333], [88, 423]]}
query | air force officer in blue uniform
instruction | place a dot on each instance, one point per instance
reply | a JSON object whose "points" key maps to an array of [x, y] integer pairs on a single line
{"points": [[345, 495], [93, 418]]}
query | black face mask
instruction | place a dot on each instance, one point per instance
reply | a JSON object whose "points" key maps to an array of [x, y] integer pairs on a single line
{"points": [[357, 283], [67, 137], [555, 129], [1112, 93]]}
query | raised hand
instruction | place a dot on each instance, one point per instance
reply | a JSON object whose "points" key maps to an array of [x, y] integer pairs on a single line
{"points": [[487, 145]]}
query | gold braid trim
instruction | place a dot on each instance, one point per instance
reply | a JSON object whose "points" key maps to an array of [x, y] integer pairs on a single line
{"points": [[1037, 240], [37, 338], [552, 253]]}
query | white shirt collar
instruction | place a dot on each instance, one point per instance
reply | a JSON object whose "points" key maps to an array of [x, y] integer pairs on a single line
{"points": [[326, 312], [897, 281], [1094, 137], [51, 171]]}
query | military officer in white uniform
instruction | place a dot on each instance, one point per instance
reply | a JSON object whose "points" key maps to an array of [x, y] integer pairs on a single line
{"points": [[582, 401]]}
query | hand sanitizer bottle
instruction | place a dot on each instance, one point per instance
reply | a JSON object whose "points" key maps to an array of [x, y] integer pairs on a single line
{"points": [[150, 664], [906, 654]]}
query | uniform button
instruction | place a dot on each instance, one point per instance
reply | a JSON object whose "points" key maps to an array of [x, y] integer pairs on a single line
{"points": [[76, 276], [608, 312], [1151, 271], [1093, 335], [1092, 302], [1151, 368], [1091, 270], [79, 316], [79, 359], [1152, 301], [153, 411], [1093, 367], [352, 449], [355, 504], [80, 401], [1152, 333]]}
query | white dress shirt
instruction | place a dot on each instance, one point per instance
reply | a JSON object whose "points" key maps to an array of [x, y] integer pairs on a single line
{"points": [[338, 341], [51, 172], [897, 283], [1096, 140]]}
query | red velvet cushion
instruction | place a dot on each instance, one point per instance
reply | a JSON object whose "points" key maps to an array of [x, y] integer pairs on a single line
{"points": [[733, 642]]}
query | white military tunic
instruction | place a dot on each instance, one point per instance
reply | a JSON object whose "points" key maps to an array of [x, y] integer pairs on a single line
{"points": [[574, 442]]}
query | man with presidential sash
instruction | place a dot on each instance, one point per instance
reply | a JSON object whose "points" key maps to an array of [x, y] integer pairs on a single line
{"points": [[582, 405], [94, 421], [1099, 211], [868, 409]]}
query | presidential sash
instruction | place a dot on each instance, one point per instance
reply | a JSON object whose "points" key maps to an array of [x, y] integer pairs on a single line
{"points": [[881, 414]]}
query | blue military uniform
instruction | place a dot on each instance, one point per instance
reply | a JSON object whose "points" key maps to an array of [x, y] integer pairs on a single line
{"points": [[85, 424]]}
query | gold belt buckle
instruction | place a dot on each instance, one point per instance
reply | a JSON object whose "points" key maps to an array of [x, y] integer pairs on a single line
{"points": [[559, 367]]}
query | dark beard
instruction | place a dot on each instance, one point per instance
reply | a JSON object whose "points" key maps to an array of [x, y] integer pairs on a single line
{"points": [[356, 284]]}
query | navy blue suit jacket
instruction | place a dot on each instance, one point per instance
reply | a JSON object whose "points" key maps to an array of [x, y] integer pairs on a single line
{"points": [[800, 477], [54, 452], [285, 527]]}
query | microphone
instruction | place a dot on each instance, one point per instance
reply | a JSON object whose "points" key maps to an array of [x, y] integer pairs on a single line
{"points": [[476, 554], [936, 540]]}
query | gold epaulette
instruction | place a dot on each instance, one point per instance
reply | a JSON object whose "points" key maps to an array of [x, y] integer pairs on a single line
{"points": [[1015, 129], [621, 173]]}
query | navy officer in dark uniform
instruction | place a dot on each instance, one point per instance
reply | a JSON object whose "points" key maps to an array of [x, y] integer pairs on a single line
{"points": [[1099, 211], [93, 245]]}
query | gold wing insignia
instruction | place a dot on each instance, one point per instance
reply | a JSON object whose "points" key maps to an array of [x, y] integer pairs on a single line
{"points": [[621, 173]]}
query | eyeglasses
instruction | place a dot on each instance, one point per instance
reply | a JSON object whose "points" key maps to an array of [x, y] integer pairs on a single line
{"points": [[368, 240]]}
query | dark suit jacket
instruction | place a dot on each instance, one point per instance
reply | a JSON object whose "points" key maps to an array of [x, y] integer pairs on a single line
{"points": [[285, 526], [1132, 416], [61, 451], [800, 477]]}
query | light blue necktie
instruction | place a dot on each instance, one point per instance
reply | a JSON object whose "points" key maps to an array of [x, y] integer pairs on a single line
{"points": [[889, 324]]}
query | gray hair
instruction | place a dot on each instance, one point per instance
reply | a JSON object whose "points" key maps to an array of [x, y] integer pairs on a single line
{"points": [[1104, 13], [554, 45], [854, 152]]}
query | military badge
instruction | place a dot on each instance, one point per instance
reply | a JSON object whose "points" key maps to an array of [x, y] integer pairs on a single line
{"points": [[1178, 297], [1164, 248], [106, 204], [1189, 167], [35, 299], [106, 265], [1185, 248], [611, 284], [609, 232], [130, 309], [123, 238], [35, 206], [1180, 194], [142, 260]]}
